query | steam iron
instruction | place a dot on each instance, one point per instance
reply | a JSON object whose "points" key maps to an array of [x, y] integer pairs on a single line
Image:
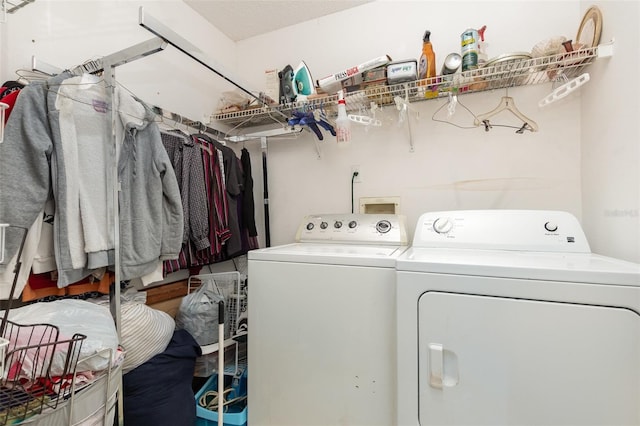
{"points": [[287, 89], [295, 85], [302, 81]]}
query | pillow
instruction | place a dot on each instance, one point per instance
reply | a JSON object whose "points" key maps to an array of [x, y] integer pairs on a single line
{"points": [[145, 333]]}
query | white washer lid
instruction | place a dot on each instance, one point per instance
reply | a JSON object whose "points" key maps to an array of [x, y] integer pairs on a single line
{"points": [[567, 267], [331, 254]]}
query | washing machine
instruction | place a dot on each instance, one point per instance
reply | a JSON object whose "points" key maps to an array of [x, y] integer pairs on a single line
{"points": [[321, 314], [505, 317]]}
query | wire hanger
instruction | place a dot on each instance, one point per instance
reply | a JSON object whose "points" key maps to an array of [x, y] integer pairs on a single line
{"points": [[506, 103], [451, 109]]}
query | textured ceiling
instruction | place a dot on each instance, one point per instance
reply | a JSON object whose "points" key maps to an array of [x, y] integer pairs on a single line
{"points": [[241, 19]]}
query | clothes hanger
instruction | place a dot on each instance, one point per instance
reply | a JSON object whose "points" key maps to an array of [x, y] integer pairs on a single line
{"points": [[451, 105], [563, 90], [506, 103]]}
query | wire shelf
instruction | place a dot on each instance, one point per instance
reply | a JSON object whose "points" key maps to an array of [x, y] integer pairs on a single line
{"points": [[38, 369], [514, 73]]}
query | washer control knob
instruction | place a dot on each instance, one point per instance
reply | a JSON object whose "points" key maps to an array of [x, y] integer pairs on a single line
{"points": [[383, 226], [551, 227], [353, 224], [442, 225], [323, 225], [310, 226], [337, 224]]}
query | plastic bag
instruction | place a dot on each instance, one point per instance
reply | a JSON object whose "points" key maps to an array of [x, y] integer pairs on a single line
{"points": [[198, 314]]}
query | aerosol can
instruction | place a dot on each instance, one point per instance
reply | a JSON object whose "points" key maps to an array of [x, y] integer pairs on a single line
{"points": [[469, 49]]}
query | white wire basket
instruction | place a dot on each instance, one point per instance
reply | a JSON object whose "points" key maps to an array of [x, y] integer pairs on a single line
{"points": [[38, 369]]}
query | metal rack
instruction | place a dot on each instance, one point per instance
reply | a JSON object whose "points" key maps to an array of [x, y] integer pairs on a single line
{"points": [[31, 382], [513, 73], [10, 6]]}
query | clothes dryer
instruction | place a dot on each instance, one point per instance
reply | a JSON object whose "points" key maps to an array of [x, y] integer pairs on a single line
{"points": [[506, 317], [321, 349]]}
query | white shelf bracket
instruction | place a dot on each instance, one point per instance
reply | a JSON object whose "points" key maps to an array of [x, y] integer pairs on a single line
{"points": [[606, 50]]}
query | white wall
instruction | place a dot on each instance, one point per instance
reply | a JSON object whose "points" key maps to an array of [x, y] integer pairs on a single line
{"points": [[610, 136], [558, 167]]}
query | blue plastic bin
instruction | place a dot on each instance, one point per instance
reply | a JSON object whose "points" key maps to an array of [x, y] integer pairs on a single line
{"points": [[235, 415]]}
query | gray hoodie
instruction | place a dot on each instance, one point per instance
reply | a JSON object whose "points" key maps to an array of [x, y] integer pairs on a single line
{"points": [[35, 158]]}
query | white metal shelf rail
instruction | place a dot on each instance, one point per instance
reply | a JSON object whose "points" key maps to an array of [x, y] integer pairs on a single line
{"points": [[520, 72]]}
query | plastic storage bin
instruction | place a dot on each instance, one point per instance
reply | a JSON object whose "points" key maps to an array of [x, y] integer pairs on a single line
{"points": [[236, 414]]}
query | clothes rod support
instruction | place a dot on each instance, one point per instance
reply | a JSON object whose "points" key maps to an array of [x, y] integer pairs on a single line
{"points": [[133, 53], [15, 6], [43, 67], [167, 34], [109, 64]]}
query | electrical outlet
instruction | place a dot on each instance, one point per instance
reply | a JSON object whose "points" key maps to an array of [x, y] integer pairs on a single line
{"points": [[356, 169]]}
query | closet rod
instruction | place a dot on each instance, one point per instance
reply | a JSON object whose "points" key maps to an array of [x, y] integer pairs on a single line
{"points": [[167, 34], [180, 119]]}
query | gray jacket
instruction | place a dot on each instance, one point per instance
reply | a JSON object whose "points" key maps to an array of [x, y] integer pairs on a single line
{"points": [[32, 162]]}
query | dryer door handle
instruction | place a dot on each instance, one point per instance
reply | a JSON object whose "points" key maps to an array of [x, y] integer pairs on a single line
{"points": [[443, 367], [436, 365]]}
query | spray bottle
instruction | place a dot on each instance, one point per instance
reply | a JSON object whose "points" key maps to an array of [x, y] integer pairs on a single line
{"points": [[343, 124], [482, 47], [427, 65]]}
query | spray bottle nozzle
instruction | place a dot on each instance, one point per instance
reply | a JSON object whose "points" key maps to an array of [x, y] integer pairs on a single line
{"points": [[481, 32]]}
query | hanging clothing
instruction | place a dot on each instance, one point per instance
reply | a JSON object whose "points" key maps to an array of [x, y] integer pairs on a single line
{"points": [[232, 175], [219, 232], [186, 159], [8, 95], [57, 139], [228, 188], [248, 204]]}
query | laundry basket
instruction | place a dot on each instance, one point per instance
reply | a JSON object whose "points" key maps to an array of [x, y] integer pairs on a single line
{"points": [[38, 369], [235, 414]]}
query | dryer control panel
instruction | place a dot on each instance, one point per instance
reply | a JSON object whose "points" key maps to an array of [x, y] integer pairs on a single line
{"points": [[386, 229], [525, 230]]}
